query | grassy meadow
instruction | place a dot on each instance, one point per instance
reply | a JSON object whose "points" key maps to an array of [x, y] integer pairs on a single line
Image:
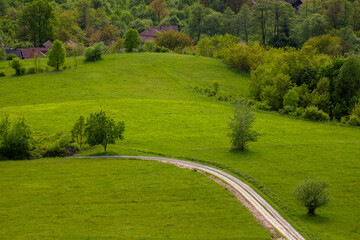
{"points": [[117, 199], [163, 115]]}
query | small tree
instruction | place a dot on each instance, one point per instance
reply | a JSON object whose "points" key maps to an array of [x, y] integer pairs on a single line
{"points": [[241, 126], [78, 131], [16, 65], [132, 40], [102, 130], [312, 194], [56, 55]]}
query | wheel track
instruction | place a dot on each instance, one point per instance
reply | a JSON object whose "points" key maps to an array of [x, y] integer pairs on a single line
{"points": [[263, 207]]}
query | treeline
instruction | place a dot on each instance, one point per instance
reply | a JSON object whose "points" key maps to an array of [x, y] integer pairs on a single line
{"points": [[275, 23], [314, 82], [18, 141]]}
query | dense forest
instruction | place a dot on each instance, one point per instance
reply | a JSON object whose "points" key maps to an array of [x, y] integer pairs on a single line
{"points": [[273, 23]]}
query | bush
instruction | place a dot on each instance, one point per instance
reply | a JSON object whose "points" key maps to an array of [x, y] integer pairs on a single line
{"points": [[2, 74], [161, 49], [214, 46], [312, 194], [244, 57], [95, 52], [17, 66], [175, 41], [117, 47], [354, 120], [54, 145], [31, 70], [10, 57], [15, 139], [313, 113], [149, 46]]}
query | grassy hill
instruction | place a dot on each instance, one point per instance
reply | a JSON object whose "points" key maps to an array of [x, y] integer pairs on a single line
{"points": [[153, 94], [117, 199]]}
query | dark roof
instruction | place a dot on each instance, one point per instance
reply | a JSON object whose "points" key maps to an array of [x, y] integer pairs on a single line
{"points": [[7, 48], [47, 44], [16, 52], [28, 53], [150, 33]]}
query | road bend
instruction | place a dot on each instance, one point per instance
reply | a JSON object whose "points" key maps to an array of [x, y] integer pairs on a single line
{"points": [[263, 207]]}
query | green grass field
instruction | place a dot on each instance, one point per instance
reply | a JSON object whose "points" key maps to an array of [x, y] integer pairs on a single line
{"points": [[117, 199], [152, 93]]}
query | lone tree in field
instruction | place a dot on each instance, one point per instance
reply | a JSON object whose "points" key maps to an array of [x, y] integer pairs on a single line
{"points": [[312, 194], [78, 131], [241, 126], [102, 130], [56, 55], [132, 40]]}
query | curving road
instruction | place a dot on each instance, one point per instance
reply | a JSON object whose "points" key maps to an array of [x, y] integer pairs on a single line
{"points": [[264, 208]]}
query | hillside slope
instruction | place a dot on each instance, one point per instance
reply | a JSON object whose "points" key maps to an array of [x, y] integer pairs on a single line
{"points": [[153, 94]]}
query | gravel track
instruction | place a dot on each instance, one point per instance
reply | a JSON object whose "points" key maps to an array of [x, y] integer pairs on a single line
{"points": [[263, 207]]}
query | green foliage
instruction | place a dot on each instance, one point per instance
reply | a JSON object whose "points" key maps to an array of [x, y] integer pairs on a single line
{"points": [[326, 44], [245, 23], [354, 120], [291, 99], [2, 54], [78, 131], [17, 66], [117, 47], [53, 145], [10, 57], [313, 113], [347, 84], [241, 126], [102, 130], [274, 93], [39, 18], [15, 139], [95, 52], [175, 41], [56, 55], [132, 40], [244, 57], [149, 46], [216, 45], [196, 20], [312, 194]]}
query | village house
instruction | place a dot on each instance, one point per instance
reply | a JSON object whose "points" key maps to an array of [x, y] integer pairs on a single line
{"points": [[29, 53], [150, 33]]}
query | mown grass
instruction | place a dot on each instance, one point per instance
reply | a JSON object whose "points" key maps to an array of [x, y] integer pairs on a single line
{"points": [[152, 93], [117, 199]]}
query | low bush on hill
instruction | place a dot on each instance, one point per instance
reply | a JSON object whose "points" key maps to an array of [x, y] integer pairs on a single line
{"points": [[95, 52]]}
